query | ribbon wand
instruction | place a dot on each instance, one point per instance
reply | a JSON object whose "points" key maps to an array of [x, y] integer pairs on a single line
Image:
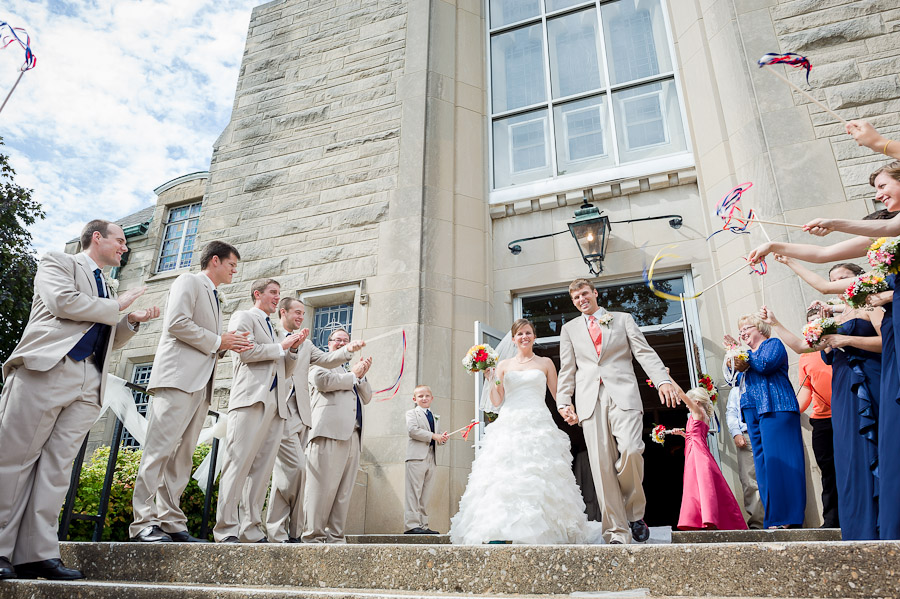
{"points": [[30, 58], [464, 430], [795, 60], [12, 90]]}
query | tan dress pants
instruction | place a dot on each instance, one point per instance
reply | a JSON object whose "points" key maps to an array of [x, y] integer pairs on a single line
{"points": [[44, 418], [419, 483], [176, 419], [747, 473], [284, 514], [615, 449], [331, 467], [251, 443]]}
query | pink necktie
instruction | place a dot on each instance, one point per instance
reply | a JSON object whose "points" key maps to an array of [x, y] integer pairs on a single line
{"points": [[596, 333]]}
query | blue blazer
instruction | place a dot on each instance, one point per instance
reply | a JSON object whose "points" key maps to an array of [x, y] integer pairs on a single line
{"points": [[767, 385]]}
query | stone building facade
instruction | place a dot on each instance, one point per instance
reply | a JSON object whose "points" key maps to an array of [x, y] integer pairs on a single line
{"points": [[382, 155]]}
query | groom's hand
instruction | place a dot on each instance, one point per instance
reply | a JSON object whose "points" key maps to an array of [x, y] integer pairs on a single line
{"points": [[668, 395], [569, 415]]}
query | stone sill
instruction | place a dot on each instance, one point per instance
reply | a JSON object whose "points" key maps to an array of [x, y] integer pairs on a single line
{"points": [[612, 189], [169, 274]]}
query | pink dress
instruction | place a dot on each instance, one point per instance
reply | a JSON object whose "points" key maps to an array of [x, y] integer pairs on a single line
{"points": [[707, 501]]}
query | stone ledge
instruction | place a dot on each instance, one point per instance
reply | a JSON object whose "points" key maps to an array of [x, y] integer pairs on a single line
{"points": [[398, 539], [756, 536], [819, 569]]}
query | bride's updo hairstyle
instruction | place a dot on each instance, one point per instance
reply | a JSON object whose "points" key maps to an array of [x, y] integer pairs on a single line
{"points": [[519, 324], [701, 396]]}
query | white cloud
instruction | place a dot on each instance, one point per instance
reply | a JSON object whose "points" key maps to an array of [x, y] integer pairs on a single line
{"points": [[126, 95]]}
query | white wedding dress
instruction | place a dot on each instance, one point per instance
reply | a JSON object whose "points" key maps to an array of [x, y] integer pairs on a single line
{"points": [[521, 488]]}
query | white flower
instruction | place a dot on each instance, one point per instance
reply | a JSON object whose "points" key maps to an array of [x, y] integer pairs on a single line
{"points": [[221, 297], [606, 319], [111, 284]]}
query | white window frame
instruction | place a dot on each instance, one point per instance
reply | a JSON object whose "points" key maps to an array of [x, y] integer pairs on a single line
{"points": [[557, 183], [165, 226], [566, 114], [662, 117], [128, 441], [543, 121]]}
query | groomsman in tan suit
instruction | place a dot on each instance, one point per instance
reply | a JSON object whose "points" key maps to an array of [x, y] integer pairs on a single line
{"points": [[181, 382], [284, 514], [332, 456], [53, 384], [595, 355], [257, 409]]}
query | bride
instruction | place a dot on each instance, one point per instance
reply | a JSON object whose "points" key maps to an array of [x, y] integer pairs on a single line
{"points": [[521, 488]]}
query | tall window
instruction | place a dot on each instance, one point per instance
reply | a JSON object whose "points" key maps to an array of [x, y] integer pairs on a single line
{"points": [[328, 318], [140, 376], [179, 237], [579, 86]]}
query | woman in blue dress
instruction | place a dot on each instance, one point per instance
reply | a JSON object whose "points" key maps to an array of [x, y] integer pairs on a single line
{"points": [[855, 391], [770, 410]]}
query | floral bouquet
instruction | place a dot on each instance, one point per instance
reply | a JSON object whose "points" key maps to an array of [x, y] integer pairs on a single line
{"points": [[738, 358], [659, 432], [883, 255], [818, 328], [707, 383], [480, 357], [862, 287]]}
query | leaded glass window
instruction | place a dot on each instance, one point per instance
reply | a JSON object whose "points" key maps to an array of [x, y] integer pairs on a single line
{"points": [[179, 237]]}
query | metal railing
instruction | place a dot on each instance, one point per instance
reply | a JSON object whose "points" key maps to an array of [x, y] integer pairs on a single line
{"points": [[99, 519]]}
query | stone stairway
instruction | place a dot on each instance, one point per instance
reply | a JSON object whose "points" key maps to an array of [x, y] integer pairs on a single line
{"points": [[376, 571]]}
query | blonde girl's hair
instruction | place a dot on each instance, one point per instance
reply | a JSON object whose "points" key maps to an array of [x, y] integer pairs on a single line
{"points": [[701, 396]]}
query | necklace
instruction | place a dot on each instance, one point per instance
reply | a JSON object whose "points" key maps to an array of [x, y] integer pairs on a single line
{"points": [[525, 361]]}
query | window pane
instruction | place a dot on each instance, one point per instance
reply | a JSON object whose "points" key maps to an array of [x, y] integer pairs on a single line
{"points": [[521, 149], [574, 53], [582, 135], [635, 36], [328, 319], [517, 68], [504, 12], [140, 376], [554, 5], [648, 121], [173, 253]]}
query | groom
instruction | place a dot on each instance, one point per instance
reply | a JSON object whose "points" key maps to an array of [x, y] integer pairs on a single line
{"points": [[595, 366]]}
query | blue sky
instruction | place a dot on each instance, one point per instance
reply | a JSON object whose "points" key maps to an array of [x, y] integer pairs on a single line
{"points": [[126, 95]]}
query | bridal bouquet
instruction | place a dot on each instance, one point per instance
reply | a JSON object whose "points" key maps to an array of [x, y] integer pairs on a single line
{"points": [[818, 328], [884, 255], [862, 287], [738, 359], [480, 357], [659, 432]]}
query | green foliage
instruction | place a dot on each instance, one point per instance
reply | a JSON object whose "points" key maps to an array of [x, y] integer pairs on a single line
{"points": [[119, 515], [17, 261]]}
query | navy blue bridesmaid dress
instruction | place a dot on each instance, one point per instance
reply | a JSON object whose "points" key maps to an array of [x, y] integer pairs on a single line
{"points": [[889, 421]]}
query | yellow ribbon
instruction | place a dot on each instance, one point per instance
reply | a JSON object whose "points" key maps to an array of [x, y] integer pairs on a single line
{"points": [[663, 294]]}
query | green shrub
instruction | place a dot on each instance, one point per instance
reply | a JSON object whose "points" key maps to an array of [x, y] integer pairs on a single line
{"points": [[119, 515]]}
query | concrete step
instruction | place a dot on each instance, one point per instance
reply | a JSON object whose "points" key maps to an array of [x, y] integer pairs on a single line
{"points": [[810, 569], [398, 539], [756, 536], [81, 589]]}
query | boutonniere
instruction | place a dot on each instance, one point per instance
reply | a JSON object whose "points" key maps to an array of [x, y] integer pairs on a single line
{"points": [[111, 284], [220, 297], [606, 319]]}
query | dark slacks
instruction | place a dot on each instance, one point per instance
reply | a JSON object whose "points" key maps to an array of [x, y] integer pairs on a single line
{"points": [[823, 448]]}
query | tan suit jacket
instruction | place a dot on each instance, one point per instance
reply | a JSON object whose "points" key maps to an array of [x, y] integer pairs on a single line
{"points": [[581, 369], [65, 306], [257, 367], [334, 402], [419, 433], [187, 352], [298, 404]]}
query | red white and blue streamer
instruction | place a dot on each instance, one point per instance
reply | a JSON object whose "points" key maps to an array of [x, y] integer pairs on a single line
{"points": [[790, 59], [393, 389], [729, 210], [17, 35]]}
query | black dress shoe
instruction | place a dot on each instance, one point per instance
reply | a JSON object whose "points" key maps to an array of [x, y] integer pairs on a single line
{"points": [[185, 537], [231, 539], [293, 540], [428, 531], [6, 569], [152, 534], [418, 530], [51, 569], [640, 532], [615, 542], [262, 540]]}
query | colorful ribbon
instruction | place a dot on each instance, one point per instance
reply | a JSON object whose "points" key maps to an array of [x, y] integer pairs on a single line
{"points": [[729, 210], [393, 389], [790, 59], [468, 429], [648, 278], [12, 37]]}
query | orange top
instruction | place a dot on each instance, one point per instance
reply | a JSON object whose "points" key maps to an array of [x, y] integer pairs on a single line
{"points": [[815, 374]]}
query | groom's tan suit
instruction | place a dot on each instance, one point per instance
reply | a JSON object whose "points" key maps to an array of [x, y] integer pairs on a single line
{"points": [[50, 400], [182, 382], [609, 408]]}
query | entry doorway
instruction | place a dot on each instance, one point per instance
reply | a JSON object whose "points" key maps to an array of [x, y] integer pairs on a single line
{"points": [[671, 328]]}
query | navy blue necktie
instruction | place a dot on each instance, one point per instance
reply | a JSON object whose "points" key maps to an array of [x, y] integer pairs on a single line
{"points": [[93, 342], [272, 333], [430, 423], [216, 295]]}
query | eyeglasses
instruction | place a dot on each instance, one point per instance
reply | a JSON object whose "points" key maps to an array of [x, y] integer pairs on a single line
{"points": [[747, 329]]}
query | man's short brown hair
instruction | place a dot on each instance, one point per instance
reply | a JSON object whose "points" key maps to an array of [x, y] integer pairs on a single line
{"points": [[219, 249], [260, 285], [287, 303], [98, 225], [578, 284]]}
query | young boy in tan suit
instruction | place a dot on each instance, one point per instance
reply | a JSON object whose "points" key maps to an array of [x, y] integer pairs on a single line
{"points": [[424, 435]]}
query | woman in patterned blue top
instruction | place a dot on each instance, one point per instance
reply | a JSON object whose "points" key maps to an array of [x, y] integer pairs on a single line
{"points": [[770, 409]]}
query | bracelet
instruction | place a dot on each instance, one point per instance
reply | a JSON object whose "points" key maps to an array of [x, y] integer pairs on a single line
{"points": [[884, 149]]}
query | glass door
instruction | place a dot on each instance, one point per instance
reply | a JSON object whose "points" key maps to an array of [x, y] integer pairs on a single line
{"points": [[490, 336]]}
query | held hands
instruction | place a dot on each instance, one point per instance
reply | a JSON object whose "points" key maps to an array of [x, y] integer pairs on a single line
{"points": [[879, 299], [236, 342], [440, 438], [143, 315], [668, 395], [127, 298], [823, 308], [353, 346], [834, 341], [293, 340], [740, 442], [569, 415], [362, 367]]}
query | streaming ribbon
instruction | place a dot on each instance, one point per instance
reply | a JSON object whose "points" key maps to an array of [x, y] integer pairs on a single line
{"points": [[468, 429], [393, 389], [729, 210], [759, 269], [791, 59], [30, 59]]}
